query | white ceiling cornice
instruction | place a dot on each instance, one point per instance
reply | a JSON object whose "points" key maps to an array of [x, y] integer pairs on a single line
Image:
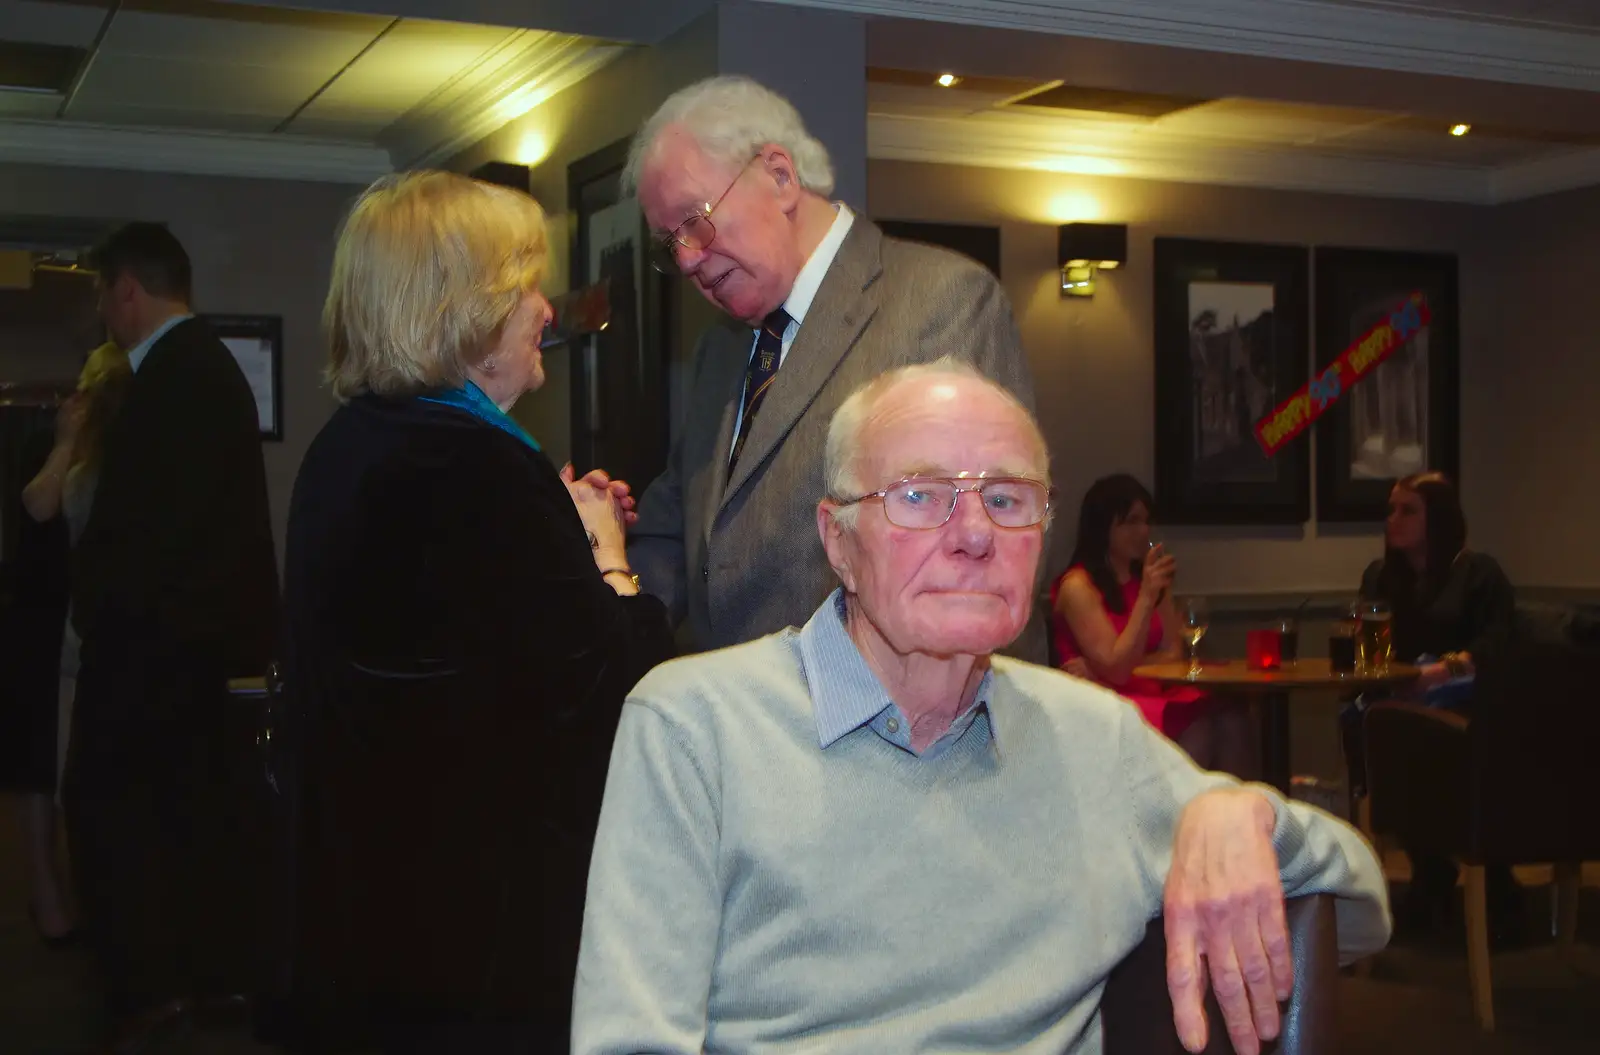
{"points": [[530, 69], [1023, 143], [1406, 41], [196, 153], [1581, 168], [1080, 145]]}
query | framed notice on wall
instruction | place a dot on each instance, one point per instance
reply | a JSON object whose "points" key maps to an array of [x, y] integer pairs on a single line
{"points": [[256, 342]]}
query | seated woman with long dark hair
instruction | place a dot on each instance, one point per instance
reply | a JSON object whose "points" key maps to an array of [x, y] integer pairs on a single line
{"points": [[1111, 613], [1448, 604]]}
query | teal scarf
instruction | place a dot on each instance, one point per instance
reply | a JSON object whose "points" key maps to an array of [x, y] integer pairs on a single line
{"points": [[471, 399]]}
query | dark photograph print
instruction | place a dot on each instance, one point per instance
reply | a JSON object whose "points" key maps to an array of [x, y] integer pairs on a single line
{"points": [[1403, 417], [1232, 341]]}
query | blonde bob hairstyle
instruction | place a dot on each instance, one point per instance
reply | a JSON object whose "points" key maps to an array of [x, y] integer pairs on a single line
{"points": [[103, 386], [428, 268]]}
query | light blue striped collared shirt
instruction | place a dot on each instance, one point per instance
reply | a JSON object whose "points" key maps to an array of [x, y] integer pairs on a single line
{"points": [[847, 694], [137, 353]]}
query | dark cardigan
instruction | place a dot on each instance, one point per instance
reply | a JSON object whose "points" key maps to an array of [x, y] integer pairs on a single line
{"points": [[1472, 609], [455, 667]]}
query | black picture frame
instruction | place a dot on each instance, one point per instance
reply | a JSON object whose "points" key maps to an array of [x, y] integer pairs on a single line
{"points": [[256, 342], [1375, 433], [620, 392], [981, 243], [1213, 384]]}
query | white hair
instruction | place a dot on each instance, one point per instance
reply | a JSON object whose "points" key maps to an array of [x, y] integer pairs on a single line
{"points": [[732, 118], [842, 453]]}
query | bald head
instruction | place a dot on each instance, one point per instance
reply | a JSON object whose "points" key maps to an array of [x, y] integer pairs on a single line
{"points": [[960, 585], [927, 398]]}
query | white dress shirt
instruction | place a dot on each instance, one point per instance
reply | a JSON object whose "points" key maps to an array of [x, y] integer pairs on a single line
{"points": [[142, 349], [802, 293]]}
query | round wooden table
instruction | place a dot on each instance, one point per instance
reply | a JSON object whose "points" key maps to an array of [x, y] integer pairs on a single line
{"points": [[1272, 687]]}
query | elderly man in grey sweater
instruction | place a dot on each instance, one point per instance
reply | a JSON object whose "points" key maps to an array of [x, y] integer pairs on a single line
{"points": [[873, 835]]}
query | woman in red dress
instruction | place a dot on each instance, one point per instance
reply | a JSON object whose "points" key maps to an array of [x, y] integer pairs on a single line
{"points": [[1110, 614]]}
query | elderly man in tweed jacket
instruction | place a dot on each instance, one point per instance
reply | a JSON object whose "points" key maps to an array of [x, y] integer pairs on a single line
{"points": [[820, 301]]}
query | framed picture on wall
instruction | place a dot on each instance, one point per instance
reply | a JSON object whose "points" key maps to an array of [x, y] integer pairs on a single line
{"points": [[1404, 416], [620, 399], [1232, 340], [256, 342], [978, 242]]}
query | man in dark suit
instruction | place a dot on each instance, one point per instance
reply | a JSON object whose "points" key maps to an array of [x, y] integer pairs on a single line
{"points": [[174, 591], [820, 301]]}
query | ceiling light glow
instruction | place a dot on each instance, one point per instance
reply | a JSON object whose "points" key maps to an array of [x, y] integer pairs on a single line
{"points": [[1460, 130], [948, 80], [1080, 164]]}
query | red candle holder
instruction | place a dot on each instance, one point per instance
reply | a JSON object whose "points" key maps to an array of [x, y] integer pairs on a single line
{"points": [[1263, 649]]}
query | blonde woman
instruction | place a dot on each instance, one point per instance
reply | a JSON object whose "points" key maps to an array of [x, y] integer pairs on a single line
{"points": [[462, 626], [64, 488]]}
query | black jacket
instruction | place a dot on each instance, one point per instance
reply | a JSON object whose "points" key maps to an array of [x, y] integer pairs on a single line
{"points": [[455, 670], [177, 557], [1472, 609]]}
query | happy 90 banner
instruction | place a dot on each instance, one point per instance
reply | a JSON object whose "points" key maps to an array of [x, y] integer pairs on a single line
{"points": [[1295, 414]]}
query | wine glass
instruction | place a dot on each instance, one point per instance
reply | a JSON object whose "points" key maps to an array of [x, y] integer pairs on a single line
{"points": [[1196, 619], [1374, 642]]}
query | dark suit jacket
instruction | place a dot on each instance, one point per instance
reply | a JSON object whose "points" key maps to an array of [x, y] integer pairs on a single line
{"points": [[455, 669], [741, 558], [177, 558]]}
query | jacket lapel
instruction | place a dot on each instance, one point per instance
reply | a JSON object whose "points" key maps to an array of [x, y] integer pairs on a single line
{"points": [[839, 313], [730, 359]]}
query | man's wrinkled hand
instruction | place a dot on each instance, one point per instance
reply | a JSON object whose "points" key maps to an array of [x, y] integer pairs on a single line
{"points": [[1224, 916]]}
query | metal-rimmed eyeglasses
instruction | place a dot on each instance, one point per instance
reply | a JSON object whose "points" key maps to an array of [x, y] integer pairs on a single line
{"points": [[924, 502], [694, 234]]}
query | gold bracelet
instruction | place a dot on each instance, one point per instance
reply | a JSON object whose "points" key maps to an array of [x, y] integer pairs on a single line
{"points": [[633, 578]]}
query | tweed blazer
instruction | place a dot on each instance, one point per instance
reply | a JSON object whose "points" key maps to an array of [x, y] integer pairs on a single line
{"points": [[739, 557]]}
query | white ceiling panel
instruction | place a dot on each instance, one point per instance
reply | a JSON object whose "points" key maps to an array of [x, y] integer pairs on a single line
{"points": [[33, 22], [406, 66], [1256, 120], [29, 105], [1437, 146], [220, 86], [912, 100], [281, 39]]}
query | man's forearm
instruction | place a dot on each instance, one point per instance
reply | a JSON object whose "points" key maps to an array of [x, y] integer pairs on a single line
{"points": [[1318, 854]]}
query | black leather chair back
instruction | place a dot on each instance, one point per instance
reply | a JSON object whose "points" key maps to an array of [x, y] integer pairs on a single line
{"points": [[1136, 1011], [1535, 722]]}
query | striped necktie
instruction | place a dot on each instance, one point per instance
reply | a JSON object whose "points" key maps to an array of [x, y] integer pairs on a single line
{"points": [[759, 375]]}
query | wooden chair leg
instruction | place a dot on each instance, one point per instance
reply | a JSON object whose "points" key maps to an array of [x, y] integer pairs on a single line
{"points": [[1477, 906], [1568, 882]]}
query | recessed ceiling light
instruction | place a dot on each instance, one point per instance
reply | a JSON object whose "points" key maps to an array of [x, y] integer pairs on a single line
{"points": [[1460, 130], [948, 80]]}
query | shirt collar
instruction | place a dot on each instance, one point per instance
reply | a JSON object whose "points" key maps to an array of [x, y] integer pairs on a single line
{"points": [[845, 693], [139, 351], [815, 270]]}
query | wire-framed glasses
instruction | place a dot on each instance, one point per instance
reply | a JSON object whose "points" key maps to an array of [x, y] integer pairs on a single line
{"points": [[923, 502], [695, 233]]}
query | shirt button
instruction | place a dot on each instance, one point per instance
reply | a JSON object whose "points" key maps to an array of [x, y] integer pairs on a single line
{"points": [[893, 725], [705, 571]]}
